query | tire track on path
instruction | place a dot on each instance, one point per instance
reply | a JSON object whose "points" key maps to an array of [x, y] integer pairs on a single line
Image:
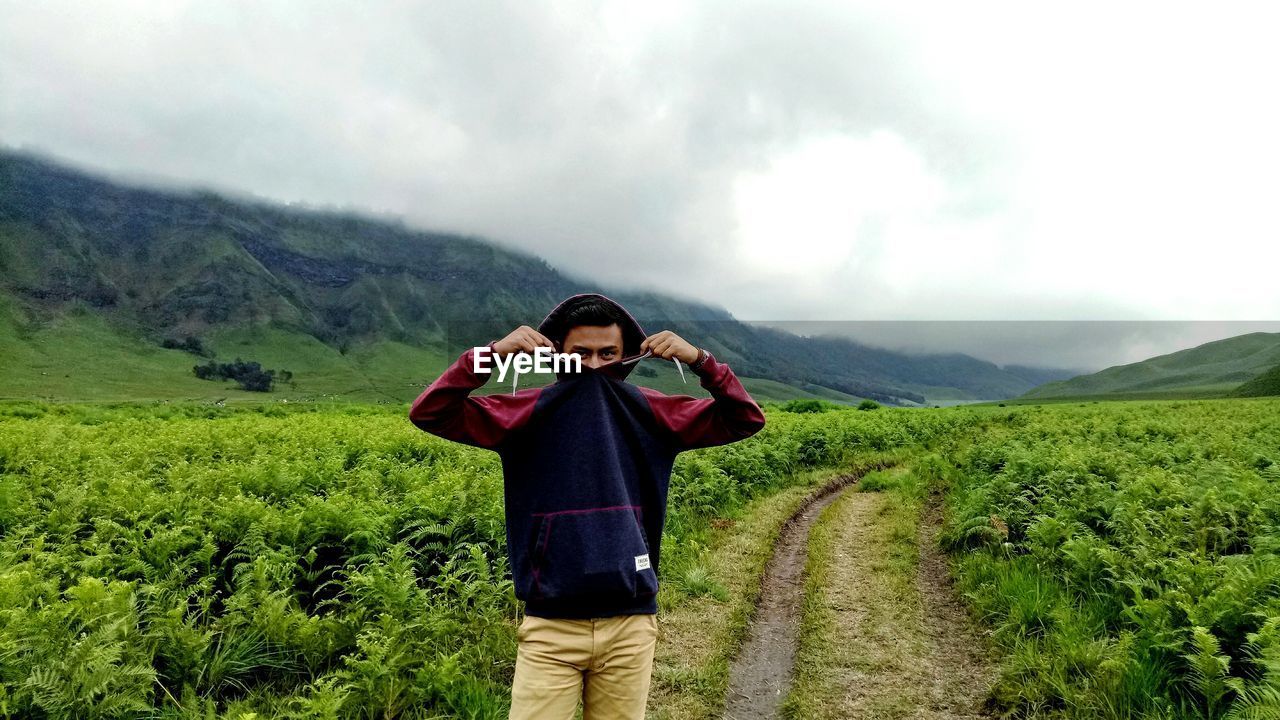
{"points": [[897, 641], [760, 674]]}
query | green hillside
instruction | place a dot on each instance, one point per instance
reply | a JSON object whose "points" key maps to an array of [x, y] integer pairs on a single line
{"points": [[96, 276], [1213, 369], [1265, 385]]}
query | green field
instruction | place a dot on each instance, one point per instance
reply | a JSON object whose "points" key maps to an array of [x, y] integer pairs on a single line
{"points": [[1127, 556], [80, 356], [329, 560]]}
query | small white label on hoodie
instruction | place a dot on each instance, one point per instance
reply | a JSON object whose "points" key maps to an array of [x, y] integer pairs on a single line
{"points": [[642, 562]]}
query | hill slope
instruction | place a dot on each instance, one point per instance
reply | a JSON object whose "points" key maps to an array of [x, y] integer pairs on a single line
{"points": [[1265, 385], [1212, 369], [95, 275]]}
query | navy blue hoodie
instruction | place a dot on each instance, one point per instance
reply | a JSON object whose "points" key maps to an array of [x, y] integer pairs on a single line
{"points": [[586, 464]]}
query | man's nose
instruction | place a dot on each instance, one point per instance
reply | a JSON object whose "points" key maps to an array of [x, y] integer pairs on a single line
{"points": [[593, 362]]}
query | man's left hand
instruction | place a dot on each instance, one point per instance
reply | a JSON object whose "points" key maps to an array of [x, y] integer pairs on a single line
{"points": [[667, 345]]}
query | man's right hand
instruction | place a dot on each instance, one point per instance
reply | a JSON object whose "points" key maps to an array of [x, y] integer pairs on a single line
{"points": [[522, 339]]}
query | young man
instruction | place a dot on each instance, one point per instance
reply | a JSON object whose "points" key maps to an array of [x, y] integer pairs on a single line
{"points": [[586, 462]]}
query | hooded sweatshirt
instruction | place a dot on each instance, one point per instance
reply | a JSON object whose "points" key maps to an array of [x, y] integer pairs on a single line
{"points": [[586, 464]]}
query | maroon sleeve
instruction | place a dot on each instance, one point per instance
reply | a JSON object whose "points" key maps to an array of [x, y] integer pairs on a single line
{"points": [[447, 409], [730, 414]]}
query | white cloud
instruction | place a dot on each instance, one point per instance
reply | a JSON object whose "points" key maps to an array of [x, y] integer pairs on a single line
{"points": [[804, 215]]}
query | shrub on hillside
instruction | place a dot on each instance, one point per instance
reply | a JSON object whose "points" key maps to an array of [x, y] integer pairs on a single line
{"points": [[249, 375], [806, 405]]}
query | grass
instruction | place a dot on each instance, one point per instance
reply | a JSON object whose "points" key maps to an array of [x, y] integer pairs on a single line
{"points": [[773, 391], [81, 356], [1198, 392], [1126, 557]]}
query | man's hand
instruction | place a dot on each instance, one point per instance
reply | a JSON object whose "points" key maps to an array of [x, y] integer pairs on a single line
{"points": [[667, 345], [522, 339]]}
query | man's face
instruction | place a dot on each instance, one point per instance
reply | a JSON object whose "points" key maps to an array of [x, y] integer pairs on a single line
{"points": [[598, 345]]}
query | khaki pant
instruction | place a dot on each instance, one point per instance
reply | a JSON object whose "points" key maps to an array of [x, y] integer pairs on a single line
{"points": [[605, 662]]}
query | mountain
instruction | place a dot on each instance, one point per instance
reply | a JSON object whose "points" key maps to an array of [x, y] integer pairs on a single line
{"points": [[1213, 369], [110, 290], [1265, 385]]}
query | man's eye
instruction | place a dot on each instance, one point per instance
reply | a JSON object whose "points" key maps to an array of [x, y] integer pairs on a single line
{"points": [[608, 353]]}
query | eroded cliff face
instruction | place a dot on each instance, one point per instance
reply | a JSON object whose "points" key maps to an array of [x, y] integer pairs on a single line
{"points": [[181, 263]]}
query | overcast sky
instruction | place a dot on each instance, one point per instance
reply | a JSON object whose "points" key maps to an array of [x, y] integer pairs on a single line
{"points": [[787, 161]]}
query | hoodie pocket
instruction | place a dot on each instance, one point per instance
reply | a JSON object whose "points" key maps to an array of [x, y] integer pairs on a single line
{"points": [[592, 552]]}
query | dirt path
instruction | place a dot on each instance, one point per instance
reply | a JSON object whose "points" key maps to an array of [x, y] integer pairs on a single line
{"points": [[760, 675], [961, 671], [891, 640]]}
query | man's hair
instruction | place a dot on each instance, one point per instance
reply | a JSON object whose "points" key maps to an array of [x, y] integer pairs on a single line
{"points": [[594, 310], [591, 311]]}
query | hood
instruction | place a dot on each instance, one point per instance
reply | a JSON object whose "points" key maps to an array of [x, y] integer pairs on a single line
{"points": [[632, 334]]}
